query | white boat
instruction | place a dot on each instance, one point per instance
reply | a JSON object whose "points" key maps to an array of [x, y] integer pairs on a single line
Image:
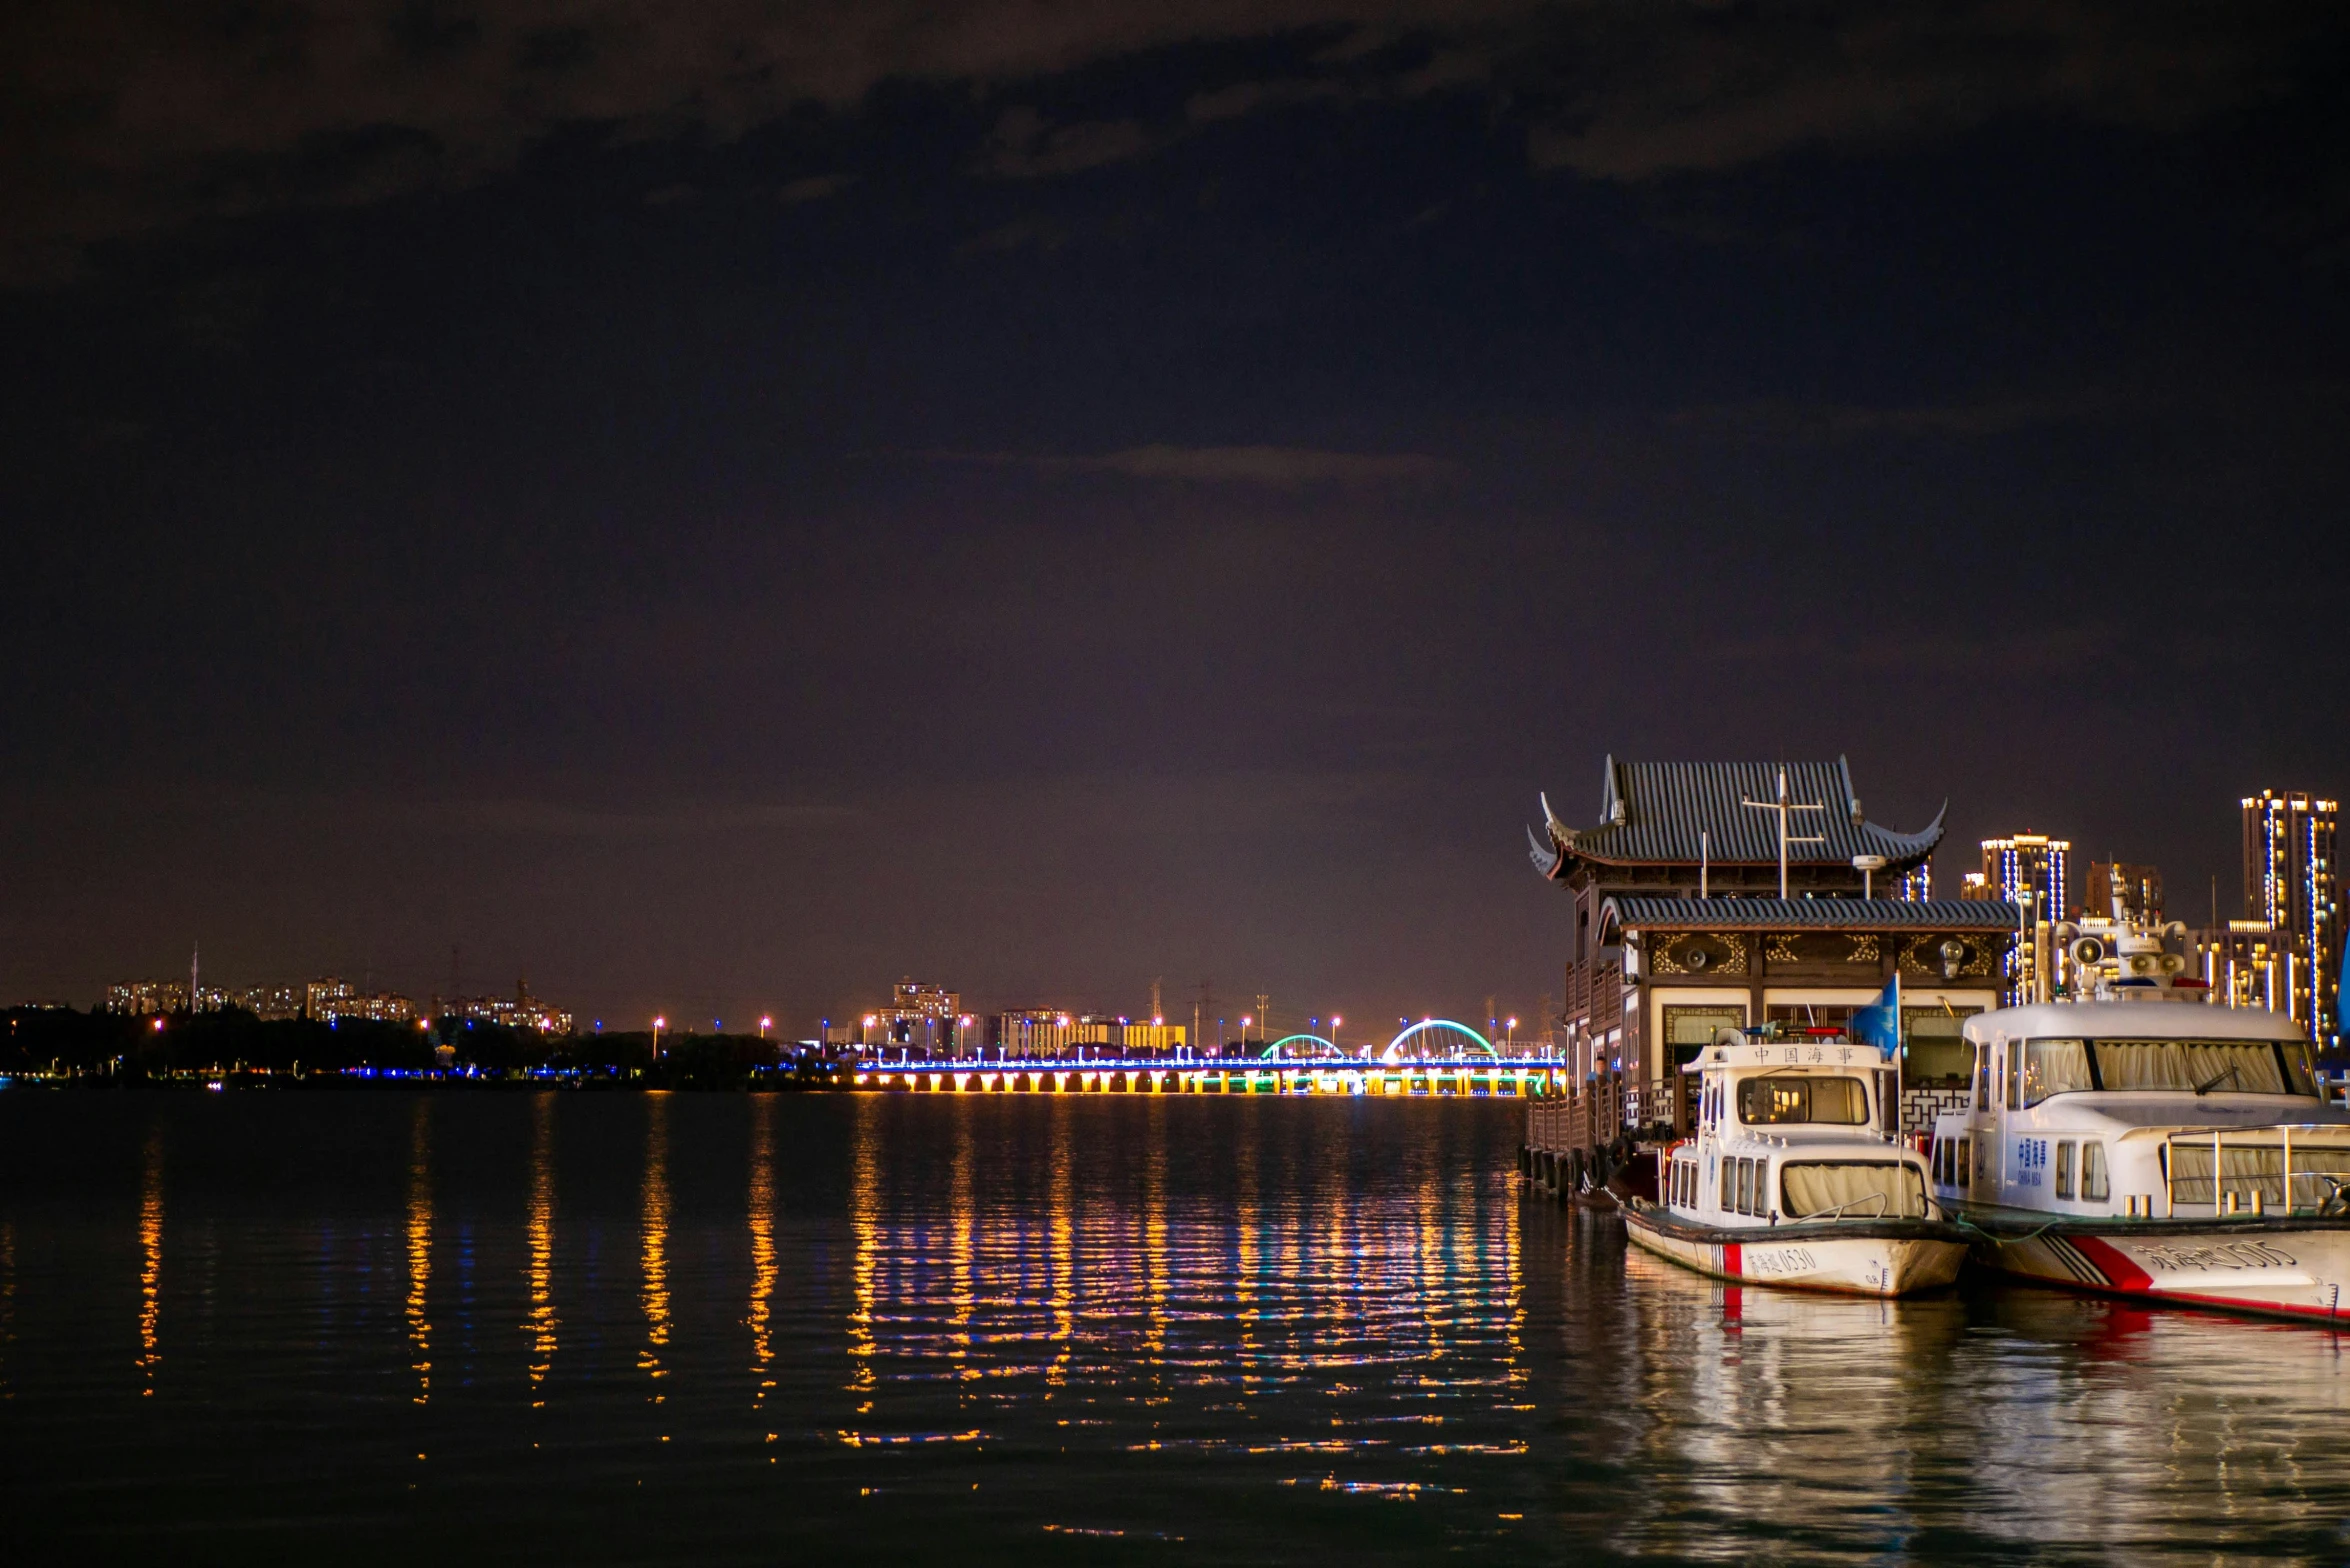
{"points": [[2138, 1143], [1795, 1176]]}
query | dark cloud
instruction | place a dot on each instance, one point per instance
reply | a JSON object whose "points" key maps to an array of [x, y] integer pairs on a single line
{"points": [[815, 187], [124, 118], [1244, 465], [1701, 87], [1025, 147]]}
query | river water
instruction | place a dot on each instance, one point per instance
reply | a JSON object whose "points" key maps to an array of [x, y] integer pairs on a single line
{"points": [[594, 1328]]}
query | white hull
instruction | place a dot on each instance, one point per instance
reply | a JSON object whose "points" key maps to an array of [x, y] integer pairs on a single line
{"points": [[1860, 1265], [2277, 1269]]}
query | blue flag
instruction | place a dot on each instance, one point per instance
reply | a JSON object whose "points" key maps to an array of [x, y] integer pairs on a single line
{"points": [[1879, 1023]]}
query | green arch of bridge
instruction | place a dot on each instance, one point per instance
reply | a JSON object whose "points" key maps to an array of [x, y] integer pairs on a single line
{"points": [[1273, 1050], [1395, 1046]]}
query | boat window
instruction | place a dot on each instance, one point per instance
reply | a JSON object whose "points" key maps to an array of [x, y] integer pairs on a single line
{"points": [[1965, 1163], [2206, 1066], [2054, 1067], [2013, 1071], [1746, 1186], [1729, 1187], [1842, 1102], [2093, 1173], [1852, 1189], [1982, 1077], [2298, 1076], [2064, 1170]]}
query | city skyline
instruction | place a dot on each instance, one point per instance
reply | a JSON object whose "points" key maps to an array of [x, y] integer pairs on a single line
{"points": [[2038, 860]]}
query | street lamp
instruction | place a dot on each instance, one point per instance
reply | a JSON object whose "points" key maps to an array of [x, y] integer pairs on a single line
{"points": [[765, 1023], [1335, 1021], [1513, 1035], [658, 1025]]}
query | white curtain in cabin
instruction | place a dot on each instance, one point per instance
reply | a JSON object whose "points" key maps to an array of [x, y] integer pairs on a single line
{"points": [[2054, 1067], [2223, 1066], [1877, 1189]]}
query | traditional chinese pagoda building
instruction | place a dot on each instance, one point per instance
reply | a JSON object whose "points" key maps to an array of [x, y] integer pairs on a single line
{"points": [[1729, 894]]}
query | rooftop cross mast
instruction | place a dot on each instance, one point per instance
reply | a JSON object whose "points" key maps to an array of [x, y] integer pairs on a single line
{"points": [[1783, 806]]}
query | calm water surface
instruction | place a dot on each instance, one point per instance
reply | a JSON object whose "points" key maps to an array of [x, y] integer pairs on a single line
{"points": [[628, 1328]]}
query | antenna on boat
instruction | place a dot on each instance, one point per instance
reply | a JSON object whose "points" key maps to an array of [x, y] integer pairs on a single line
{"points": [[1783, 806]]}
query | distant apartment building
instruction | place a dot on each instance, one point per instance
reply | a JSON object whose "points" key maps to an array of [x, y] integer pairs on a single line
{"points": [[271, 1003], [1033, 1032], [1126, 1037], [2134, 886], [1154, 1039], [920, 1020], [2290, 886], [329, 998], [139, 998], [519, 1011], [2244, 963]]}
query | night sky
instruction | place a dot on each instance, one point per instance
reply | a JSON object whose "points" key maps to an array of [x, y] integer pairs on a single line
{"points": [[720, 506]]}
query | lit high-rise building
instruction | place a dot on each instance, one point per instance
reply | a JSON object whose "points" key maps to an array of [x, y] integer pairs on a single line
{"points": [[2289, 886], [2033, 863], [2031, 869]]}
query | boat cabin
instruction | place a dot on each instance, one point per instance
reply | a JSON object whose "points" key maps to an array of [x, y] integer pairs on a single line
{"points": [[2140, 1110]]}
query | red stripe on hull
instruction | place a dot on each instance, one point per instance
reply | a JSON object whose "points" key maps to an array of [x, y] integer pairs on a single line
{"points": [[2118, 1270], [1734, 1259]]}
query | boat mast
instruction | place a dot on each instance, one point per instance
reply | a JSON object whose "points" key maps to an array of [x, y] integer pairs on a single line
{"points": [[1783, 806]]}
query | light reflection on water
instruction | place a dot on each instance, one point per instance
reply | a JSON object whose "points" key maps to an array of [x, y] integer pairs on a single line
{"points": [[420, 1246], [656, 1240], [860, 1327], [542, 1324]]}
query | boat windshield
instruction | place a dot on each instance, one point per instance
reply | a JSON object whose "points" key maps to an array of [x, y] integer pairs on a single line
{"points": [[1842, 1102], [1852, 1190], [2202, 1066]]}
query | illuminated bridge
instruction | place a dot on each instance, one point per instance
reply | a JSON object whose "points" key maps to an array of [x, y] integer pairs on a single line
{"points": [[1433, 1057]]}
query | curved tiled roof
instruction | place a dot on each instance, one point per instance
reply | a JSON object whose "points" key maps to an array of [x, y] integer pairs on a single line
{"points": [[1651, 813], [1808, 914]]}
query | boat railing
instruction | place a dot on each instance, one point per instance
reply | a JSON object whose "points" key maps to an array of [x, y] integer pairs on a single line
{"points": [[2254, 1170], [1837, 1213]]}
